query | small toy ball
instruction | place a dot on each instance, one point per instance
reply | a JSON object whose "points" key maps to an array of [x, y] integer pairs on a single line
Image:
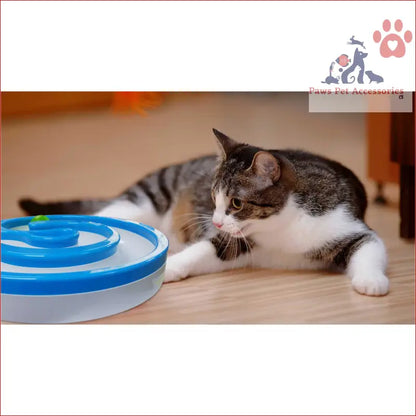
{"points": [[39, 218]]}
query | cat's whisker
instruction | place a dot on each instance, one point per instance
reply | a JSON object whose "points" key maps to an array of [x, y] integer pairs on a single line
{"points": [[228, 242], [193, 219], [235, 253], [197, 219], [200, 229], [246, 242], [187, 214], [190, 224], [197, 232]]}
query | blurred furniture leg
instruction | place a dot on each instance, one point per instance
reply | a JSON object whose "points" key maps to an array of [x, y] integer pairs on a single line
{"points": [[380, 168], [380, 199], [407, 201], [402, 147]]}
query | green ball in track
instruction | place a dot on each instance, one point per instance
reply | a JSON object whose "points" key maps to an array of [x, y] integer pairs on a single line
{"points": [[39, 218]]}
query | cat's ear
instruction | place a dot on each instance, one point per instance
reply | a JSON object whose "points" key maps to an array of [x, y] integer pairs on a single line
{"points": [[226, 144], [265, 165]]}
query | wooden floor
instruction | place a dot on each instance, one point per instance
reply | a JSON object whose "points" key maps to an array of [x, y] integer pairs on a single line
{"points": [[99, 154], [272, 296]]}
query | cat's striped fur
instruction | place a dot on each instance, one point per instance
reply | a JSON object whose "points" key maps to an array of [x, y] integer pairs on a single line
{"points": [[251, 207]]}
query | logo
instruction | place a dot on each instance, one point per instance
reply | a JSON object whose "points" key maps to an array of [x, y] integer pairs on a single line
{"points": [[347, 69], [392, 43]]}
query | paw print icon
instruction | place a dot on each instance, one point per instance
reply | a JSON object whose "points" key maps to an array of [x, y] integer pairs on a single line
{"points": [[392, 44]]}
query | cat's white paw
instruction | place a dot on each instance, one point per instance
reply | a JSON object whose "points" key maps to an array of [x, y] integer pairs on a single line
{"points": [[174, 270], [376, 284], [172, 276]]}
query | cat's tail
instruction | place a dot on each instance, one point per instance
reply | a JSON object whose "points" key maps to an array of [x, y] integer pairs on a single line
{"points": [[350, 81], [85, 207]]}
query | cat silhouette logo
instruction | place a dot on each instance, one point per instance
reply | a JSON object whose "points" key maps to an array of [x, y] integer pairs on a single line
{"points": [[346, 70]]}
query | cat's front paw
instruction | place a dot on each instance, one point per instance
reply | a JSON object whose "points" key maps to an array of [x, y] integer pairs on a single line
{"points": [[172, 276], [174, 271], [371, 285]]}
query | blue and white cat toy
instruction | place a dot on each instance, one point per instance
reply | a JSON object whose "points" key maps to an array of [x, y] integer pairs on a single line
{"points": [[71, 268]]}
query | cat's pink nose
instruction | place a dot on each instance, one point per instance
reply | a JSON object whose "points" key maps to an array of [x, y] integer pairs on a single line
{"points": [[217, 224]]}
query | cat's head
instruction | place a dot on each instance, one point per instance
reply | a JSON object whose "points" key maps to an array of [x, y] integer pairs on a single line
{"points": [[250, 184]]}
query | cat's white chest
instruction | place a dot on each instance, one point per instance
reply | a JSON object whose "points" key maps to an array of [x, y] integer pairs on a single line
{"points": [[277, 259], [287, 236]]}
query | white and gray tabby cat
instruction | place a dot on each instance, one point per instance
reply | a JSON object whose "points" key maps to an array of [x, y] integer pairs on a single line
{"points": [[251, 207]]}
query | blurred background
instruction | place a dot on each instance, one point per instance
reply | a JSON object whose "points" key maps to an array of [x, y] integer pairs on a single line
{"points": [[68, 145]]}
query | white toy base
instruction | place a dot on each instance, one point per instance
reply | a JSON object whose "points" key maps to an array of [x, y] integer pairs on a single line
{"points": [[77, 307]]}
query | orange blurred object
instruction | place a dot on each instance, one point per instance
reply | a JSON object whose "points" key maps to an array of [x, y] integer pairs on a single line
{"points": [[137, 101]]}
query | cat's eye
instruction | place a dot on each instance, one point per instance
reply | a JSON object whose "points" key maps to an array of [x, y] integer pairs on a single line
{"points": [[236, 203]]}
